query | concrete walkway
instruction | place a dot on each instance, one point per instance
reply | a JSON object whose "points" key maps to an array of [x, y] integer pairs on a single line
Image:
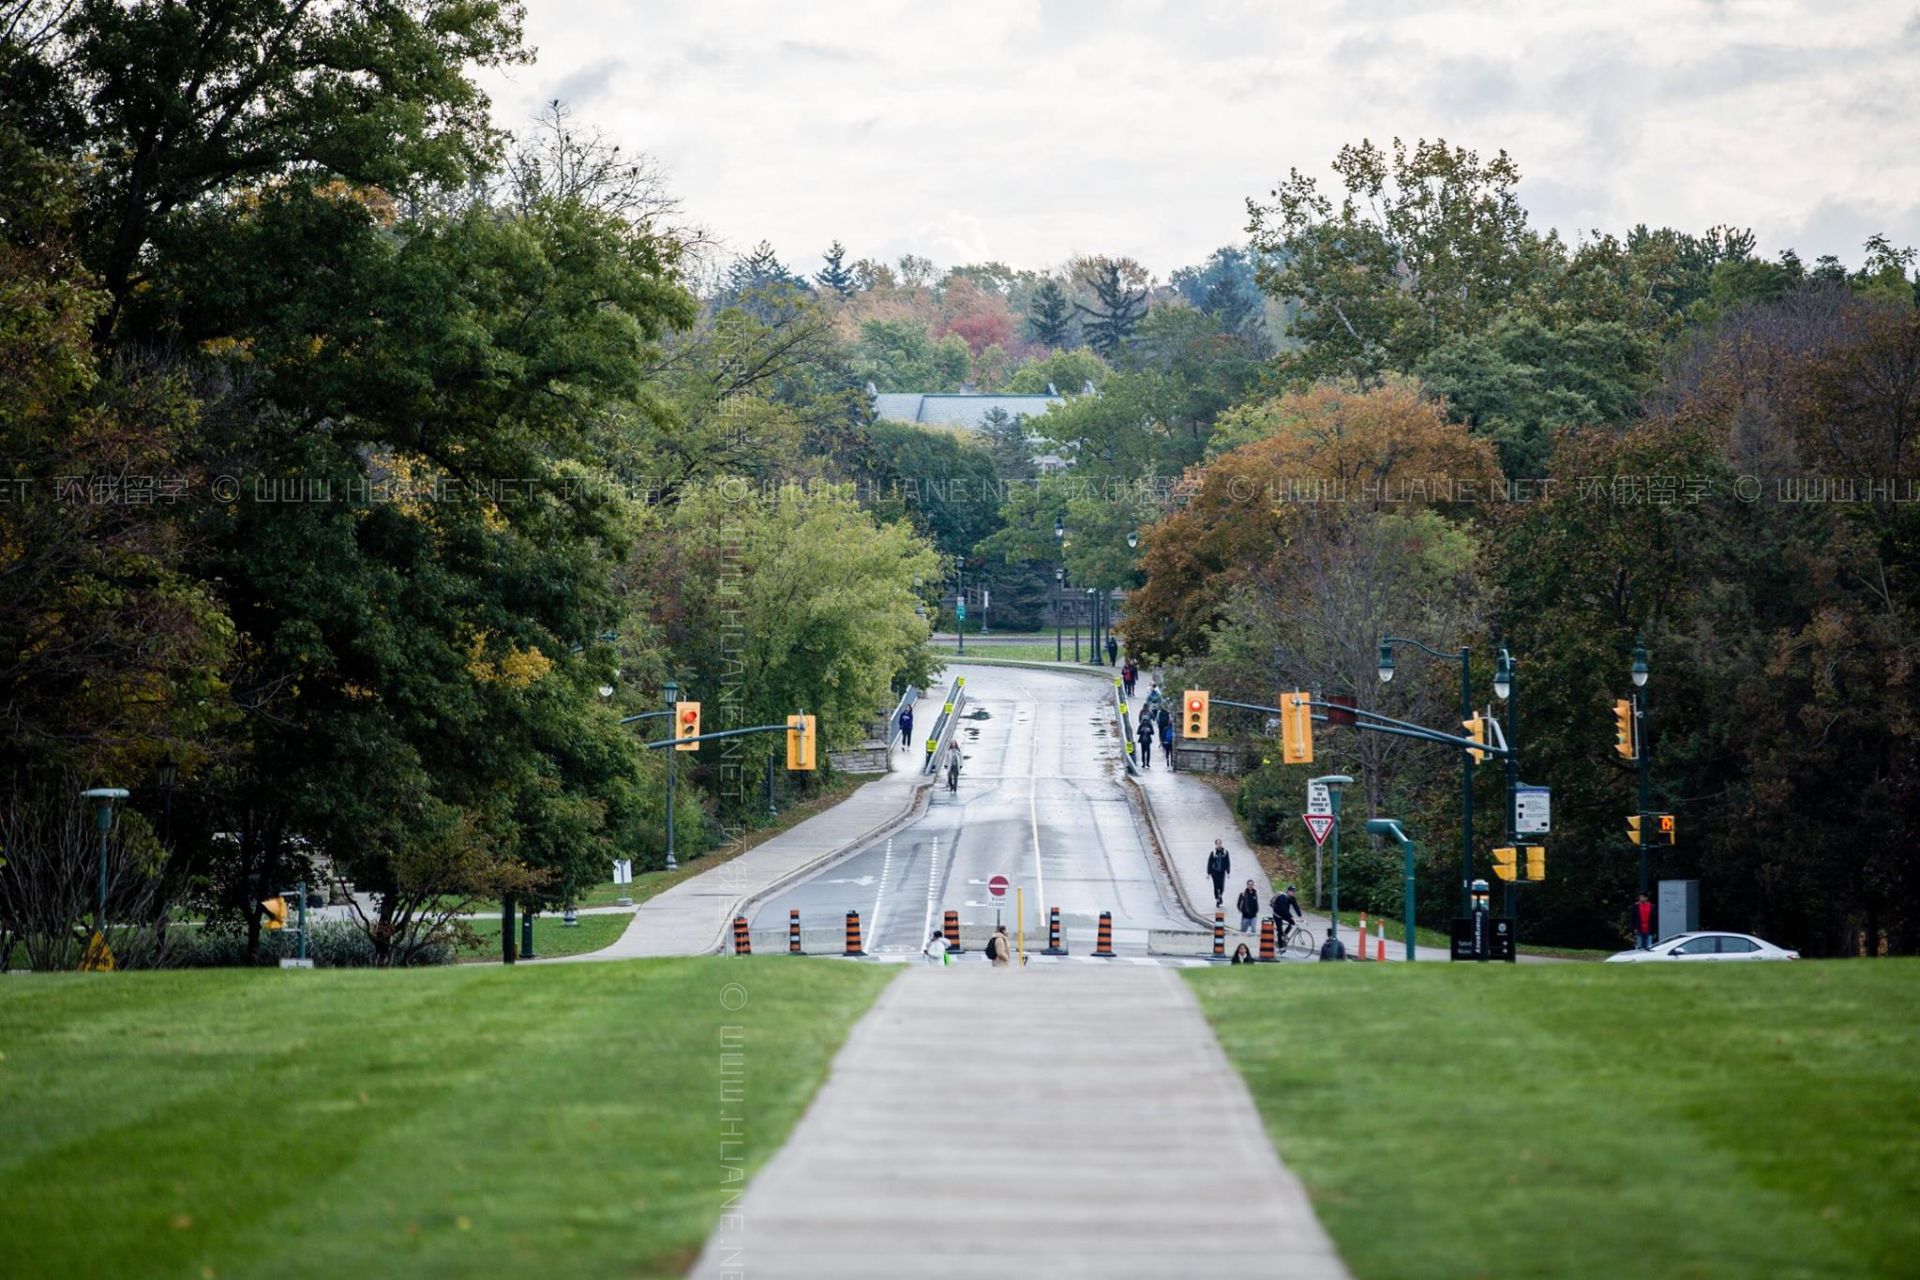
{"points": [[1066, 1122]]}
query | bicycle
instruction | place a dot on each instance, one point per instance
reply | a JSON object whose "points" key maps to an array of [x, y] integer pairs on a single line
{"points": [[1296, 939]]}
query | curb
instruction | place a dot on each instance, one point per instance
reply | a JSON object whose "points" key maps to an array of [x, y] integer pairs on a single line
{"points": [[1160, 851], [1065, 668]]}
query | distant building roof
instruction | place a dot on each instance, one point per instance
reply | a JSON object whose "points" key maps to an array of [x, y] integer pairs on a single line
{"points": [[956, 409]]}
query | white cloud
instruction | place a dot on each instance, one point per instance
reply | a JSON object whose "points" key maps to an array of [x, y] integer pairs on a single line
{"points": [[1029, 130]]}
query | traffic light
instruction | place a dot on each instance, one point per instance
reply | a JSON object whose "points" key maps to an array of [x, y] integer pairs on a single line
{"points": [[1536, 862], [1503, 863], [1196, 706], [276, 909], [1296, 728], [1623, 730], [686, 724], [799, 742], [1663, 827], [1477, 730], [1633, 827]]}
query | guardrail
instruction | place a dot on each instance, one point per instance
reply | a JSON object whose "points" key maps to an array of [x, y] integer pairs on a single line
{"points": [[1125, 717], [944, 725]]}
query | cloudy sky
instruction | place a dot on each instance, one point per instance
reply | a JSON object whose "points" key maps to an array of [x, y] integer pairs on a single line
{"points": [[1030, 130]]}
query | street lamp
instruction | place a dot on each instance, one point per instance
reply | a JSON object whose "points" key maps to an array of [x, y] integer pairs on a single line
{"points": [[1645, 761], [1332, 949], [1466, 757], [1390, 827], [672, 691], [1133, 539], [104, 798], [960, 603], [1093, 627], [1059, 587]]}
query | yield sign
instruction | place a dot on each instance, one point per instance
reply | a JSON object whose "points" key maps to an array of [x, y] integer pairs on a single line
{"points": [[1319, 824]]}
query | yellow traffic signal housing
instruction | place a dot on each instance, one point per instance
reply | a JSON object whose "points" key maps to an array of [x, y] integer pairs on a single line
{"points": [[1195, 707], [686, 724], [1477, 730], [1503, 863], [1623, 741], [800, 742], [276, 909], [1633, 827], [1296, 728], [1663, 828], [1536, 862]]}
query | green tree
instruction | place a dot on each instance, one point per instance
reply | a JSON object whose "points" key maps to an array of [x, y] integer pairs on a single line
{"points": [[835, 276], [1118, 287], [1050, 317], [900, 355]]}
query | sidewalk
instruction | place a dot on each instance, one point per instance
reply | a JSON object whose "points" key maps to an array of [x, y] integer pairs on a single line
{"points": [[693, 917], [994, 1123]]}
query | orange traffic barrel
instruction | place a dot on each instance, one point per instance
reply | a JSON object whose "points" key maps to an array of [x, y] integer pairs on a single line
{"points": [[950, 925], [1219, 935], [793, 932], [742, 941], [1103, 945], [853, 934], [1269, 942], [1055, 947]]}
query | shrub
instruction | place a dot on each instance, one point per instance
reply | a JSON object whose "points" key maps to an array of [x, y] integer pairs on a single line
{"points": [[335, 944]]}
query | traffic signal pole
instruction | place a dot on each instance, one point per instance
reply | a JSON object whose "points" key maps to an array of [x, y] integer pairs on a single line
{"points": [[1645, 765]]}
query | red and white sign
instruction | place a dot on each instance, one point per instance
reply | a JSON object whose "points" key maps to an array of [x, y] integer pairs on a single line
{"points": [[997, 886], [1318, 824]]}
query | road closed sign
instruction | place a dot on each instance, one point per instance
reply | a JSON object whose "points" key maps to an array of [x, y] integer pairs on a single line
{"points": [[997, 886]]}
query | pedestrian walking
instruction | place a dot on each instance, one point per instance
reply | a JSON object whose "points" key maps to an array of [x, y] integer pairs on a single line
{"points": [[953, 766], [906, 725], [1128, 674], [1249, 904], [1145, 734], [1113, 651], [1643, 923], [999, 949], [936, 949], [1218, 865], [1166, 735]]}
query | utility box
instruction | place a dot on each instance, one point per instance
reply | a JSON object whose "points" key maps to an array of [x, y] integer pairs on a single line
{"points": [[1677, 908]]}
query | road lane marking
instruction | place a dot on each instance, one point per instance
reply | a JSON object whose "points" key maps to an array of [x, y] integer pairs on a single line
{"points": [[933, 888], [880, 895], [1033, 816]]}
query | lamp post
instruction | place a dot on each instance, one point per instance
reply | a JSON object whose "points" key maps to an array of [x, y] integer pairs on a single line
{"points": [[1639, 673], [1093, 627], [1466, 757], [1503, 689], [1059, 605], [1332, 949], [672, 691], [104, 799], [1391, 828], [960, 603]]}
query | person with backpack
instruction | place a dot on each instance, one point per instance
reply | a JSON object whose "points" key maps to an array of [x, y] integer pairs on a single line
{"points": [[1166, 735], [1286, 909], [1218, 865], [1249, 904], [936, 949], [1128, 674], [1145, 736], [999, 949]]}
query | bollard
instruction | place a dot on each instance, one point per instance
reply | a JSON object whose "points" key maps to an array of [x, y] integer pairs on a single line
{"points": [[853, 934], [1380, 934], [1054, 946], [742, 940], [950, 925], [1269, 944], [793, 932], [1219, 935], [1103, 945], [1363, 936]]}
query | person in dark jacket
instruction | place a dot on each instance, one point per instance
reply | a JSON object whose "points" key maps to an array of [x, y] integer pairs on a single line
{"points": [[1241, 955], [1166, 735], [1218, 865], [1128, 674], [1145, 735], [1249, 904], [906, 726], [1113, 651]]}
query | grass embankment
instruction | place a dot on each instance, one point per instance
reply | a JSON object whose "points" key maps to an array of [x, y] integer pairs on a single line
{"points": [[551, 937], [1007, 652], [1593, 1120], [447, 1122]]}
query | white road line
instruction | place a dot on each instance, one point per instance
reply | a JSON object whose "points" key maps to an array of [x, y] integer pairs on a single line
{"points": [[933, 887], [1033, 817], [880, 895]]}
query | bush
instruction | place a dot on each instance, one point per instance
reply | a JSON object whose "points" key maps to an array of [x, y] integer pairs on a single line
{"points": [[1269, 804], [336, 944]]}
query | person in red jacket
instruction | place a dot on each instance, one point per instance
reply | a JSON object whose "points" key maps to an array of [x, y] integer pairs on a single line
{"points": [[1643, 922]]}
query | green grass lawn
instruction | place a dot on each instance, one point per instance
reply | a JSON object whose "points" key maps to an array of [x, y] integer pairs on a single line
{"points": [[560, 1120], [1013, 652], [551, 937], [1425, 937], [1593, 1120]]}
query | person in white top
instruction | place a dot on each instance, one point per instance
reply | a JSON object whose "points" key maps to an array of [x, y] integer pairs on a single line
{"points": [[936, 949]]}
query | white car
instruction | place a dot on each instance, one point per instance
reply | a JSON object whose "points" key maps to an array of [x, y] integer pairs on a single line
{"points": [[1707, 946]]}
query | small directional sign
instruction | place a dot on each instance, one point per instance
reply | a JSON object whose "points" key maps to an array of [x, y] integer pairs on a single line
{"points": [[1319, 824], [997, 886]]}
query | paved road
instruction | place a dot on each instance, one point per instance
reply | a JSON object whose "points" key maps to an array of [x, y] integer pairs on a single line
{"points": [[1073, 1121], [1040, 802]]}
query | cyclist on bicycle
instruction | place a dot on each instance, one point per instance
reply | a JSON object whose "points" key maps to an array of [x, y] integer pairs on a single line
{"points": [[1286, 909]]}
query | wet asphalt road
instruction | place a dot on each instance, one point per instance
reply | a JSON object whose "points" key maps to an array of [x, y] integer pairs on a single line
{"points": [[1040, 802]]}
